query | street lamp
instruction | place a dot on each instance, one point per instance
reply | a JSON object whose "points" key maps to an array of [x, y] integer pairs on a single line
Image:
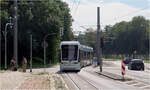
{"points": [[45, 45], [5, 35]]}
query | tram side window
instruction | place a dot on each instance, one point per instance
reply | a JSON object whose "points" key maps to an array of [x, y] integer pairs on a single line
{"points": [[84, 55], [88, 55], [81, 55]]}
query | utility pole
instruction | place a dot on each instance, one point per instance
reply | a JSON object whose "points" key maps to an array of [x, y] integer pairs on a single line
{"points": [[0, 45], [5, 35], [30, 52], [44, 55], [98, 50], [15, 33]]}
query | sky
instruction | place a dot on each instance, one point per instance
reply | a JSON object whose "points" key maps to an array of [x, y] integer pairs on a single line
{"points": [[84, 12]]}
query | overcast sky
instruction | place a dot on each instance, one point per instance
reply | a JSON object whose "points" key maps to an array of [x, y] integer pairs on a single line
{"points": [[84, 12]]}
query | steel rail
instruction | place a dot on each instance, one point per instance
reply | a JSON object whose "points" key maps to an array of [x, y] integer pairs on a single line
{"points": [[88, 82], [74, 83]]}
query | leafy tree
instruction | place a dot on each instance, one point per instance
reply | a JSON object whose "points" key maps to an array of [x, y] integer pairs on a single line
{"points": [[123, 37], [39, 18]]}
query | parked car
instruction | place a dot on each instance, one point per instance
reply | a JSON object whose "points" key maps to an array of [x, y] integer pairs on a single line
{"points": [[127, 60], [136, 64]]}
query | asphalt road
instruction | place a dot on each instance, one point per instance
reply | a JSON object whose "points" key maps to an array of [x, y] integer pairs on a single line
{"points": [[88, 79], [139, 80], [141, 76]]}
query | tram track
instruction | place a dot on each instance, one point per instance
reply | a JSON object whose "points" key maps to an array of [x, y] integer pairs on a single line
{"points": [[73, 82], [80, 82]]}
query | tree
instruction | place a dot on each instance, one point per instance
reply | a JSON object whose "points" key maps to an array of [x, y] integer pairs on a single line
{"points": [[39, 18], [123, 37]]}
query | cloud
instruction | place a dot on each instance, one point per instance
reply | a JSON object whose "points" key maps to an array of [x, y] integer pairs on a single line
{"points": [[148, 2], [110, 13]]}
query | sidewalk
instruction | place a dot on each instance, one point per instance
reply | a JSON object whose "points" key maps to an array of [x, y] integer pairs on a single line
{"points": [[30, 81], [11, 80], [35, 82]]}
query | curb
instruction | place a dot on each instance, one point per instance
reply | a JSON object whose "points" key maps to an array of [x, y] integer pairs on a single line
{"points": [[111, 75]]}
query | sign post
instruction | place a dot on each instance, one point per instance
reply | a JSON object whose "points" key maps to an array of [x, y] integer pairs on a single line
{"points": [[44, 45]]}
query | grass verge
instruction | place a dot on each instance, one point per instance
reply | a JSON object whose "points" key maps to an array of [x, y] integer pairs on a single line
{"points": [[111, 59], [146, 61], [1, 71]]}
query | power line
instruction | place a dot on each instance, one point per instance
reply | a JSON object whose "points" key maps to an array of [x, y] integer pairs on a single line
{"points": [[77, 7], [131, 13], [73, 5]]}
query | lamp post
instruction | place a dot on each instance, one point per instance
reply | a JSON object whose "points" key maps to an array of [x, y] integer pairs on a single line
{"points": [[15, 8], [45, 45], [5, 35]]}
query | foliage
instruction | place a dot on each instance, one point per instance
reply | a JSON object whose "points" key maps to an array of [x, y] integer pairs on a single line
{"points": [[123, 37], [130, 36], [89, 38], [38, 18]]}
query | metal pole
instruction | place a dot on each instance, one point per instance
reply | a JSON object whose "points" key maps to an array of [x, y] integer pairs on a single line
{"points": [[56, 55], [45, 48], [31, 53], [6, 46], [44, 55], [5, 34], [0, 47], [15, 33], [0, 39], [98, 53]]}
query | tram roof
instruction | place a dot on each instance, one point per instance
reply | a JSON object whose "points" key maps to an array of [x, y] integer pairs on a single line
{"points": [[86, 48], [82, 47], [70, 43]]}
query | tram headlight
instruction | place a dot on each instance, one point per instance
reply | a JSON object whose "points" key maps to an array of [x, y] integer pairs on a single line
{"points": [[64, 63]]}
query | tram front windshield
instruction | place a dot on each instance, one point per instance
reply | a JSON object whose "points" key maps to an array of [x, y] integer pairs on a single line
{"points": [[69, 52]]}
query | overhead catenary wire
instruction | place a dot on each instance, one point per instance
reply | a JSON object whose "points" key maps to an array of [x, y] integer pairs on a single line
{"points": [[114, 19], [120, 16], [130, 13], [73, 4], [77, 7]]}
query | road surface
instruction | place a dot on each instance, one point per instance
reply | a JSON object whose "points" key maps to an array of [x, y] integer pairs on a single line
{"points": [[88, 79]]}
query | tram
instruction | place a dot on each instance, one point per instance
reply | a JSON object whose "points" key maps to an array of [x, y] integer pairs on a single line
{"points": [[74, 56]]}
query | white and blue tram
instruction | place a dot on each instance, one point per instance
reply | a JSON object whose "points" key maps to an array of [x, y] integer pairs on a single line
{"points": [[74, 56]]}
